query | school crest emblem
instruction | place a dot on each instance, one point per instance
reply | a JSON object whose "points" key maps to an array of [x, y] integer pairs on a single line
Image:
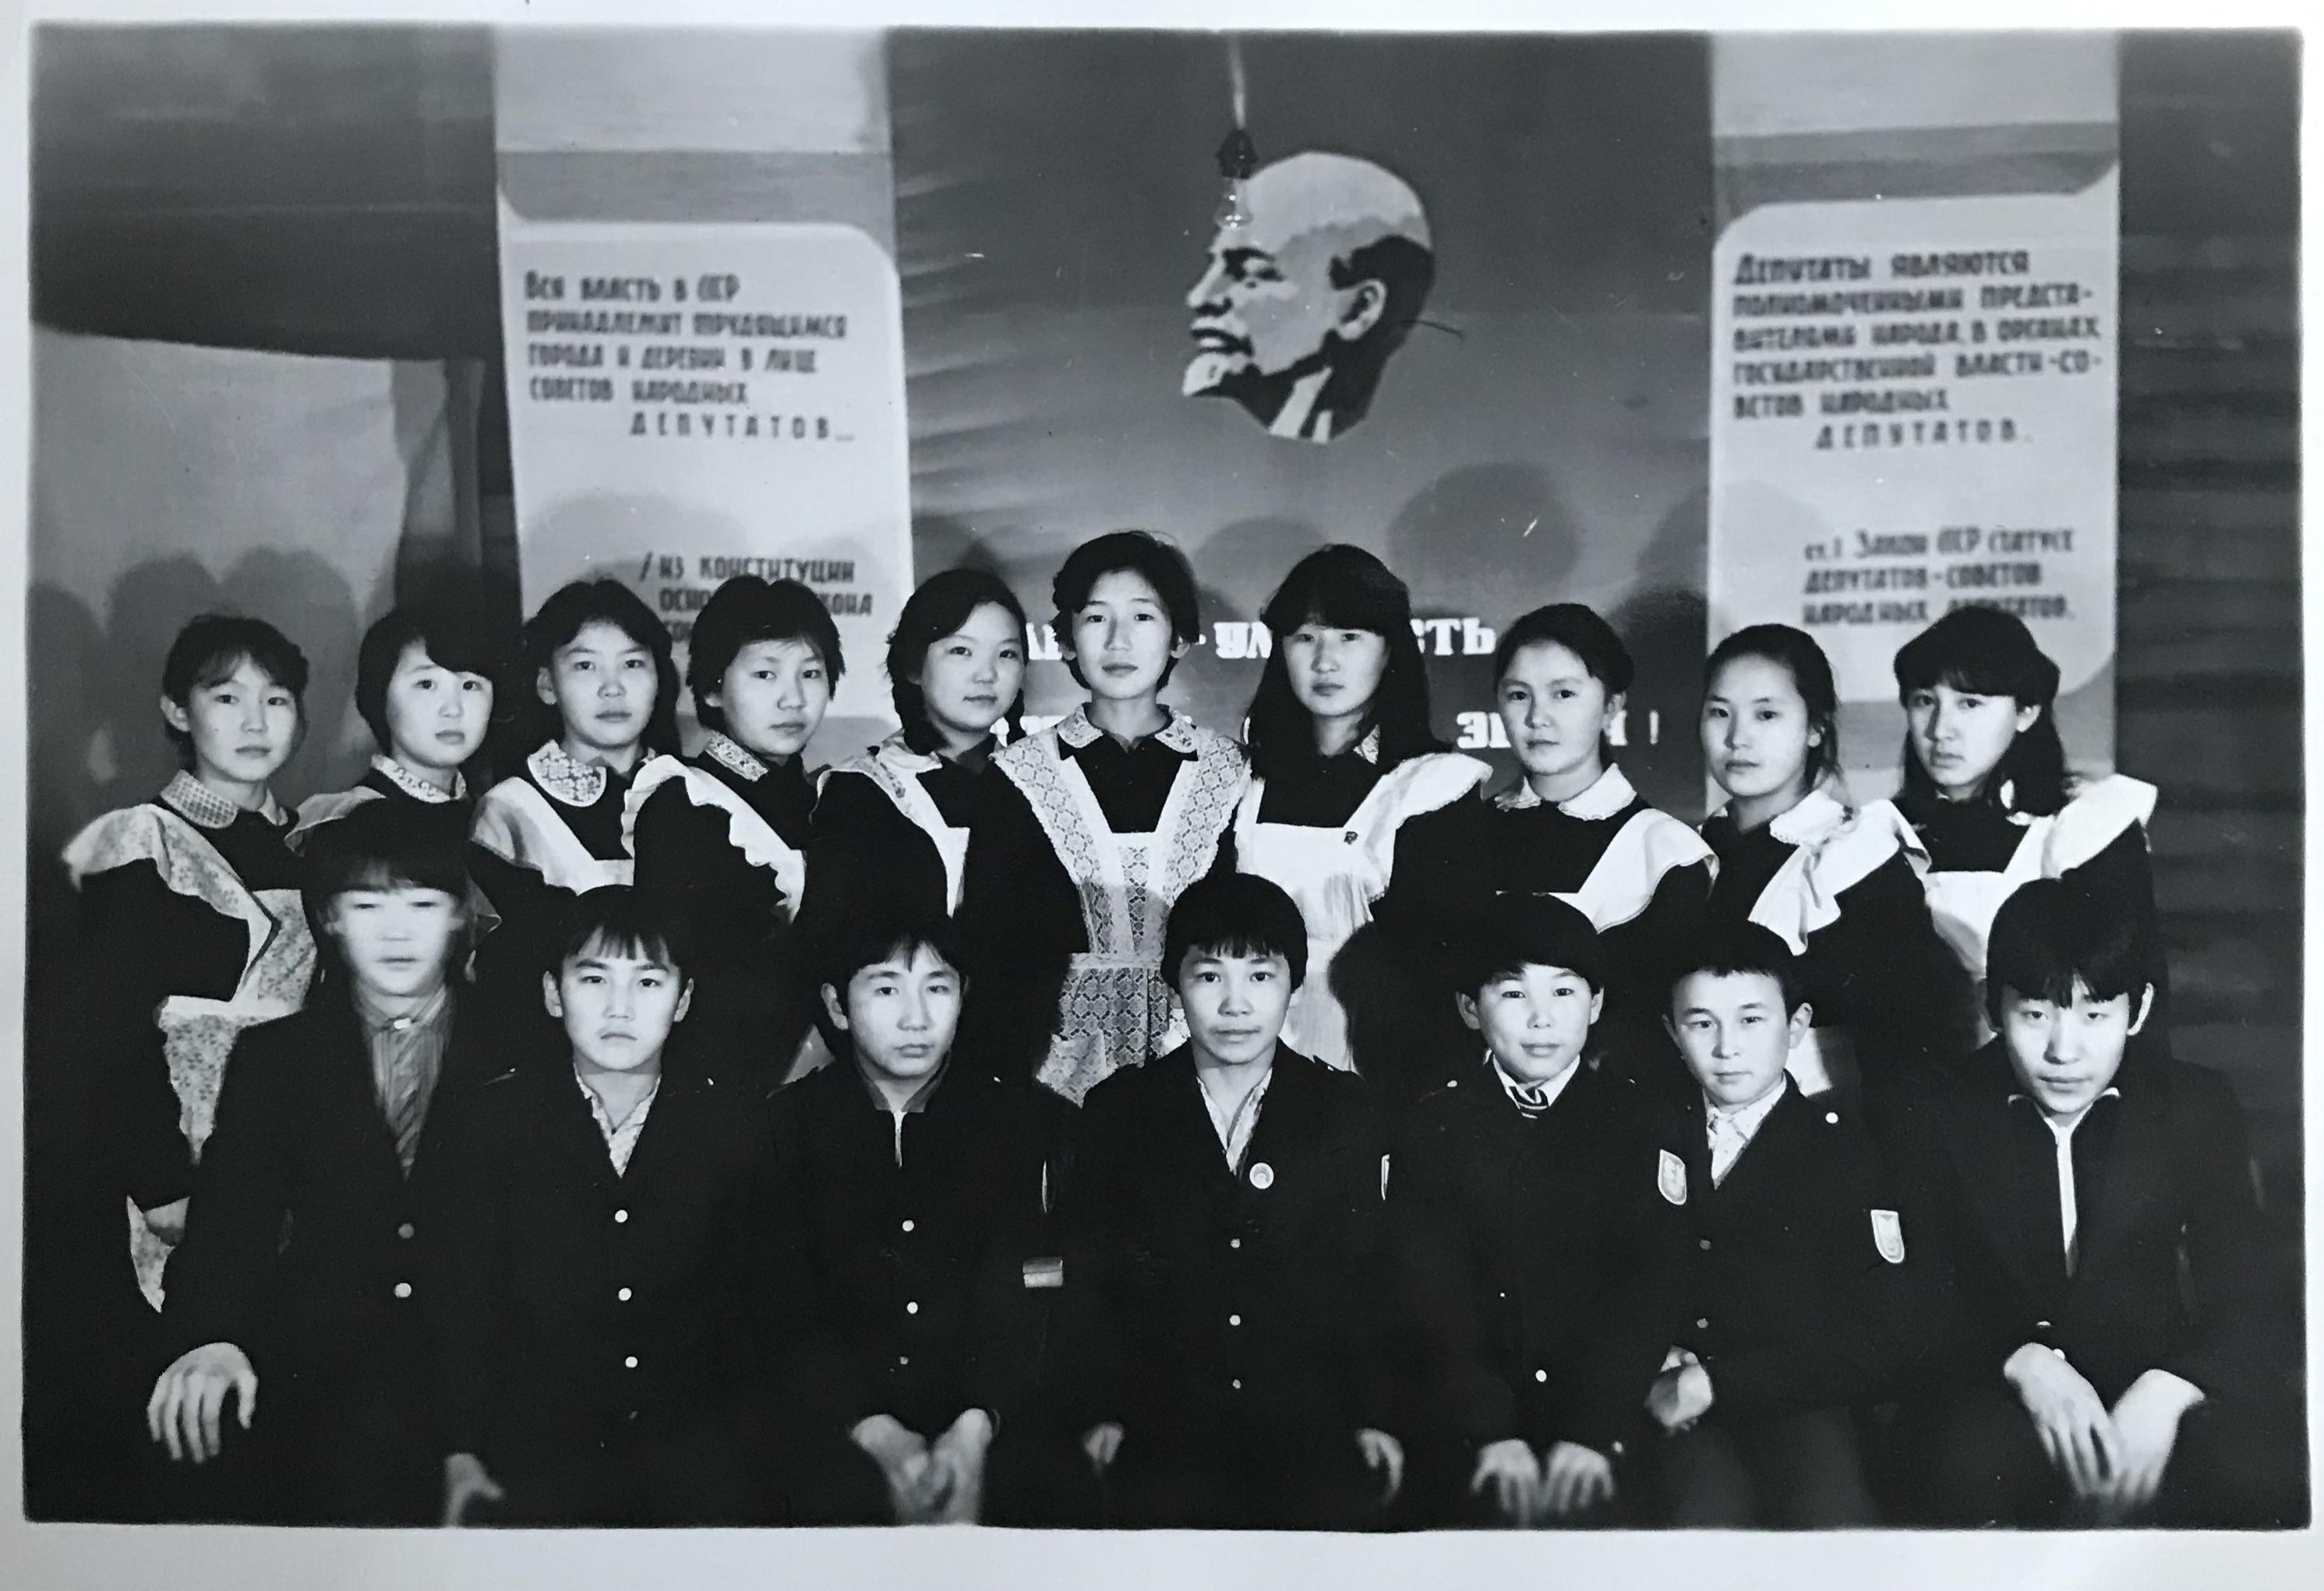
{"points": [[1888, 1235], [1670, 1176]]}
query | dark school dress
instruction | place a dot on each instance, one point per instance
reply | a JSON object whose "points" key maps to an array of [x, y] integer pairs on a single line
{"points": [[895, 823]]}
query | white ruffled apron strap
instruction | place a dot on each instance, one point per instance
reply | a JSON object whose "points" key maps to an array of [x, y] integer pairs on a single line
{"points": [[189, 865], [2098, 816], [911, 797], [515, 822], [316, 810], [1651, 845], [1067, 809], [749, 833]]}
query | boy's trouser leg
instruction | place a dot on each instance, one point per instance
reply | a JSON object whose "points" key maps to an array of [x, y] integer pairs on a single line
{"points": [[1704, 1482], [1809, 1469], [2235, 1468], [1984, 1463], [1036, 1474]]}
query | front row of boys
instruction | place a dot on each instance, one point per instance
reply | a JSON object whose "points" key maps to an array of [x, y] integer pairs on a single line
{"points": [[624, 1291]]}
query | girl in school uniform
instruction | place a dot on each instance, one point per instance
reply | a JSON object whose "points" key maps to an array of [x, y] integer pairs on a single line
{"points": [[1838, 882], [895, 819], [723, 835], [424, 688], [1341, 758], [193, 924], [606, 691], [1987, 789], [1572, 826], [1096, 824]]}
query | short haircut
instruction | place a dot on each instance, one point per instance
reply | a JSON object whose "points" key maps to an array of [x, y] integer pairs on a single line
{"points": [[1578, 629], [746, 610], [2053, 934], [867, 938], [1138, 552], [210, 648], [1797, 654], [451, 640], [384, 844], [1737, 949], [1984, 652], [1517, 930], [1342, 588], [1235, 914], [617, 920], [572, 608], [941, 606]]}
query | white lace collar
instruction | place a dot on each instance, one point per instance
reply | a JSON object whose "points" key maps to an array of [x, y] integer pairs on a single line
{"points": [[1075, 730], [1608, 794], [417, 787], [576, 784], [735, 757], [206, 809]]}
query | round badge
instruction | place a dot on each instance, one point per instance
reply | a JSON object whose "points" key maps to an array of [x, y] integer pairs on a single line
{"points": [[1262, 1176]]}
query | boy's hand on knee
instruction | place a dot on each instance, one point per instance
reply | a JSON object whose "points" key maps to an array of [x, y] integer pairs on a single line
{"points": [[903, 1455], [188, 1401], [1680, 1396], [1384, 1454], [955, 1476], [1510, 1467], [2146, 1426], [2069, 1416], [1573, 1478], [466, 1482], [1101, 1442]]}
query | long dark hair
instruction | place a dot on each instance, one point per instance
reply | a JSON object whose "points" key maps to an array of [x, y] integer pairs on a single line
{"points": [[570, 609], [1985, 651], [1340, 588], [942, 604], [1796, 652]]}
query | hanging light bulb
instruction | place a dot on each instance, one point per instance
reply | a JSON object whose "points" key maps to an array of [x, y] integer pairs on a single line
{"points": [[1237, 159]]}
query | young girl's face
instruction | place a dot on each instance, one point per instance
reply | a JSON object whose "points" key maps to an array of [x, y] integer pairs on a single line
{"points": [[774, 695], [1122, 637], [1555, 709], [1961, 736], [1755, 733], [244, 725], [969, 678], [1335, 673], [603, 685], [436, 716]]}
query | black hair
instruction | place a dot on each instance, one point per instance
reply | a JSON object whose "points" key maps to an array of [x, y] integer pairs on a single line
{"points": [[451, 640], [1984, 652], [1796, 652], [1738, 949], [210, 648], [2053, 934], [745, 610], [1517, 930], [1138, 552], [1578, 629], [869, 938], [572, 608], [623, 922], [1340, 588], [380, 845], [1235, 914], [941, 606]]}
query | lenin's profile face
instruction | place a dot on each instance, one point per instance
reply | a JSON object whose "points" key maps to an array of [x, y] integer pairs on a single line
{"points": [[1297, 312]]}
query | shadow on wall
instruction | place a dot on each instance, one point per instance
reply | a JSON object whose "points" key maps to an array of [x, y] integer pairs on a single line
{"points": [[1664, 622]]}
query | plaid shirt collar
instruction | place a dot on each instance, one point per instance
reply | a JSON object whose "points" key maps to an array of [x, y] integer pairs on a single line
{"points": [[204, 807]]}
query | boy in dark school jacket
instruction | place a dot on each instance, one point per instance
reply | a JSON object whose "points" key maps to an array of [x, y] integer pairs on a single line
{"points": [[917, 1183], [608, 1283], [329, 1123], [1219, 1349], [2118, 1352], [1807, 1293], [1536, 1250]]}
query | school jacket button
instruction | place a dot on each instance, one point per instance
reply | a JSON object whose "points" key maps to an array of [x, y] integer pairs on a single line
{"points": [[2041, 1326], [1703, 1244], [404, 1231], [620, 1217], [629, 1363], [1702, 1323], [1541, 1375], [403, 1290]]}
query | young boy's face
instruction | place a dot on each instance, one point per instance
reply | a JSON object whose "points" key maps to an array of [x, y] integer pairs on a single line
{"points": [[1235, 1003], [1535, 1020], [396, 939], [900, 1014], [603, 685], [1734, 1032], [618, 1007], [2066, 1056]]}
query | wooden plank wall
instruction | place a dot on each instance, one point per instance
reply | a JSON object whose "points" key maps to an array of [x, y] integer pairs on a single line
{"points": [[2209, 682]]}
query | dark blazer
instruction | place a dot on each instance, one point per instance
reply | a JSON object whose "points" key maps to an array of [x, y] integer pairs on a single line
{"points": [[1536, 1263], [1788, 1299], [567, 1299], [919, 1262], [1202, 1307], [2162, 1180]]}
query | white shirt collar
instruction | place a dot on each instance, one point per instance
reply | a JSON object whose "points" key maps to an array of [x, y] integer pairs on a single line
{"points": [[732, 754], [1608, 794], [1075, 730], [417, 787], [206, 809], [2063, 1126], [1532, 1097], [576, 784]]}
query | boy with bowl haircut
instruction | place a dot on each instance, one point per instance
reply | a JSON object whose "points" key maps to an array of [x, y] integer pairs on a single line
{"points": [[608, 1279], [917, 1183], [1536, 1248], [2119, 1351], [1219, 1349], [1807, 1291]]}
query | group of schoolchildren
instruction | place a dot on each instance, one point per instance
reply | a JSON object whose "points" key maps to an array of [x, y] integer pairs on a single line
{"points": [[1122, 1124]]}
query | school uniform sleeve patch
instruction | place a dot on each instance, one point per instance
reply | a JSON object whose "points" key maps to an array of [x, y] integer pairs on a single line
{"points": [[1888, 1235], [1670, 1177]]}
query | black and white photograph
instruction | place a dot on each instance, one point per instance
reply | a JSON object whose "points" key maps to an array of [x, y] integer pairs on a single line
{"points": [[1157, 784]]}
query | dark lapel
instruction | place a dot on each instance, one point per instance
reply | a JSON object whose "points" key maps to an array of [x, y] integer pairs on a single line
{"points": [[346, 1074], [562, 1116], [1291, 1124], [2137, 1164], [1758, 1172], [671, 1128], [1684, 1135], [1184, 1129], [1988, 1137]]}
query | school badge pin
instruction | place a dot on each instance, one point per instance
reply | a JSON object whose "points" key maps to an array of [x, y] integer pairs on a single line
{"points": [[1670, 1176], [1888, 1235], [1262, 1176]]}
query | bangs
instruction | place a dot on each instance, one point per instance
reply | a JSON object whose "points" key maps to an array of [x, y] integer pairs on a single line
{"points": [[1979, 652], [1349, 591], [2053, 935], [389, 875], [219, 667], [628, 943], [1235, 944]]}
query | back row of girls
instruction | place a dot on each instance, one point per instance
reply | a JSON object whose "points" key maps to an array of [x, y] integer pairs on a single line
{"points": [[1060, 852]]}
